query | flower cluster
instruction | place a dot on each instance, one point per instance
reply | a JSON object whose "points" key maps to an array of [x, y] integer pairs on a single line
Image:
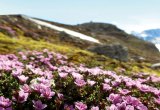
{"points": [[47, 80]]}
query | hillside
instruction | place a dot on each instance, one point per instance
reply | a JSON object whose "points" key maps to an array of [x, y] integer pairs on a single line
{"points": [[20, 34], [20, 25], [15, 26], [108, 33]]}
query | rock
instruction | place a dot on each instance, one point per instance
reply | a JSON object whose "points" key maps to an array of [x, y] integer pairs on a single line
{"points": [[115, 51], [138, 58], [155, 66]]}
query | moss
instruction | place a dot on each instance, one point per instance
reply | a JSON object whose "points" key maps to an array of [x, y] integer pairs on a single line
{"points": [[76, 55], [13, 45]]}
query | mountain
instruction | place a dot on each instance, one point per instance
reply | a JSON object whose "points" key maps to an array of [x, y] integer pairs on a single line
{"points": [[109, 34], [82, 36], [151, 35]]}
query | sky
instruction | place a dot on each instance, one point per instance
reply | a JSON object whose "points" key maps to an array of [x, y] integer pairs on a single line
{"points": [[129, 15]]}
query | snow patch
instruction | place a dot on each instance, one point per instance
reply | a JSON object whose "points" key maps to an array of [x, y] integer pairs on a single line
{"points": [[70, 32], [158, 46], [156, 41]]}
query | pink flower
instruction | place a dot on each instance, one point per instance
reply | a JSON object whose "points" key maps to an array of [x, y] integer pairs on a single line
{"points": [[115, 98], [47, 93], [17, 72], [129, 107], [80, 106], [52, 68], [38, 105], [142, 80], [124, 91], [59, 56], [80, 82], [95, 108], [62, 62], [63, 74], [90, 82], [142, 107], [5, 103], [155, 79], [112, 107], [144, 88], [107, 80], [121, 106], [95, 71], [82, 69], [157, 100], [60, 96], [115, 83], [25, 88], [106, 87], [48, 74], [44, 81], [45, 51], [131, 100], [37, 87], [68, 107], [156, 92], [129, 82], [21, 97], [2, 108], [77, 75], [23, 78]]}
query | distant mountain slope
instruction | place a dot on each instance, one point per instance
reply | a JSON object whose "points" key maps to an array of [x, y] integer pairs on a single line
{"points": [[108, 33], [152, 35], [20, 25], [82, 35]]}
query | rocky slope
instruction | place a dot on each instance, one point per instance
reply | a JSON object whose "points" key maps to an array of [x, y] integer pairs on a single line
{"points": [[108, 33], [16, 26]]}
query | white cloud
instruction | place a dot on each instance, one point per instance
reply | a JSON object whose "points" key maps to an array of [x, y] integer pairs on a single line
{"points": [[139, 24]]}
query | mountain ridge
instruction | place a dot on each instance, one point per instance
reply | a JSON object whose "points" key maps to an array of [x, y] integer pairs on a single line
{"points": [[16, 25]]}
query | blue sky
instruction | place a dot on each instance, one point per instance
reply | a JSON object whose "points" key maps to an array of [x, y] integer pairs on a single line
{"points": [[130, 15]]}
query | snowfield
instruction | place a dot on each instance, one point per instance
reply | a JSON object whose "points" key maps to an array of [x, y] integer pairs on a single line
{"points": [[156, 41], [70, 32]]}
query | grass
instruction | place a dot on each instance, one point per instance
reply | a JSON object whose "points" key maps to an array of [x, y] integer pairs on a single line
{"points": [[13, 45], [76, 55]]}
